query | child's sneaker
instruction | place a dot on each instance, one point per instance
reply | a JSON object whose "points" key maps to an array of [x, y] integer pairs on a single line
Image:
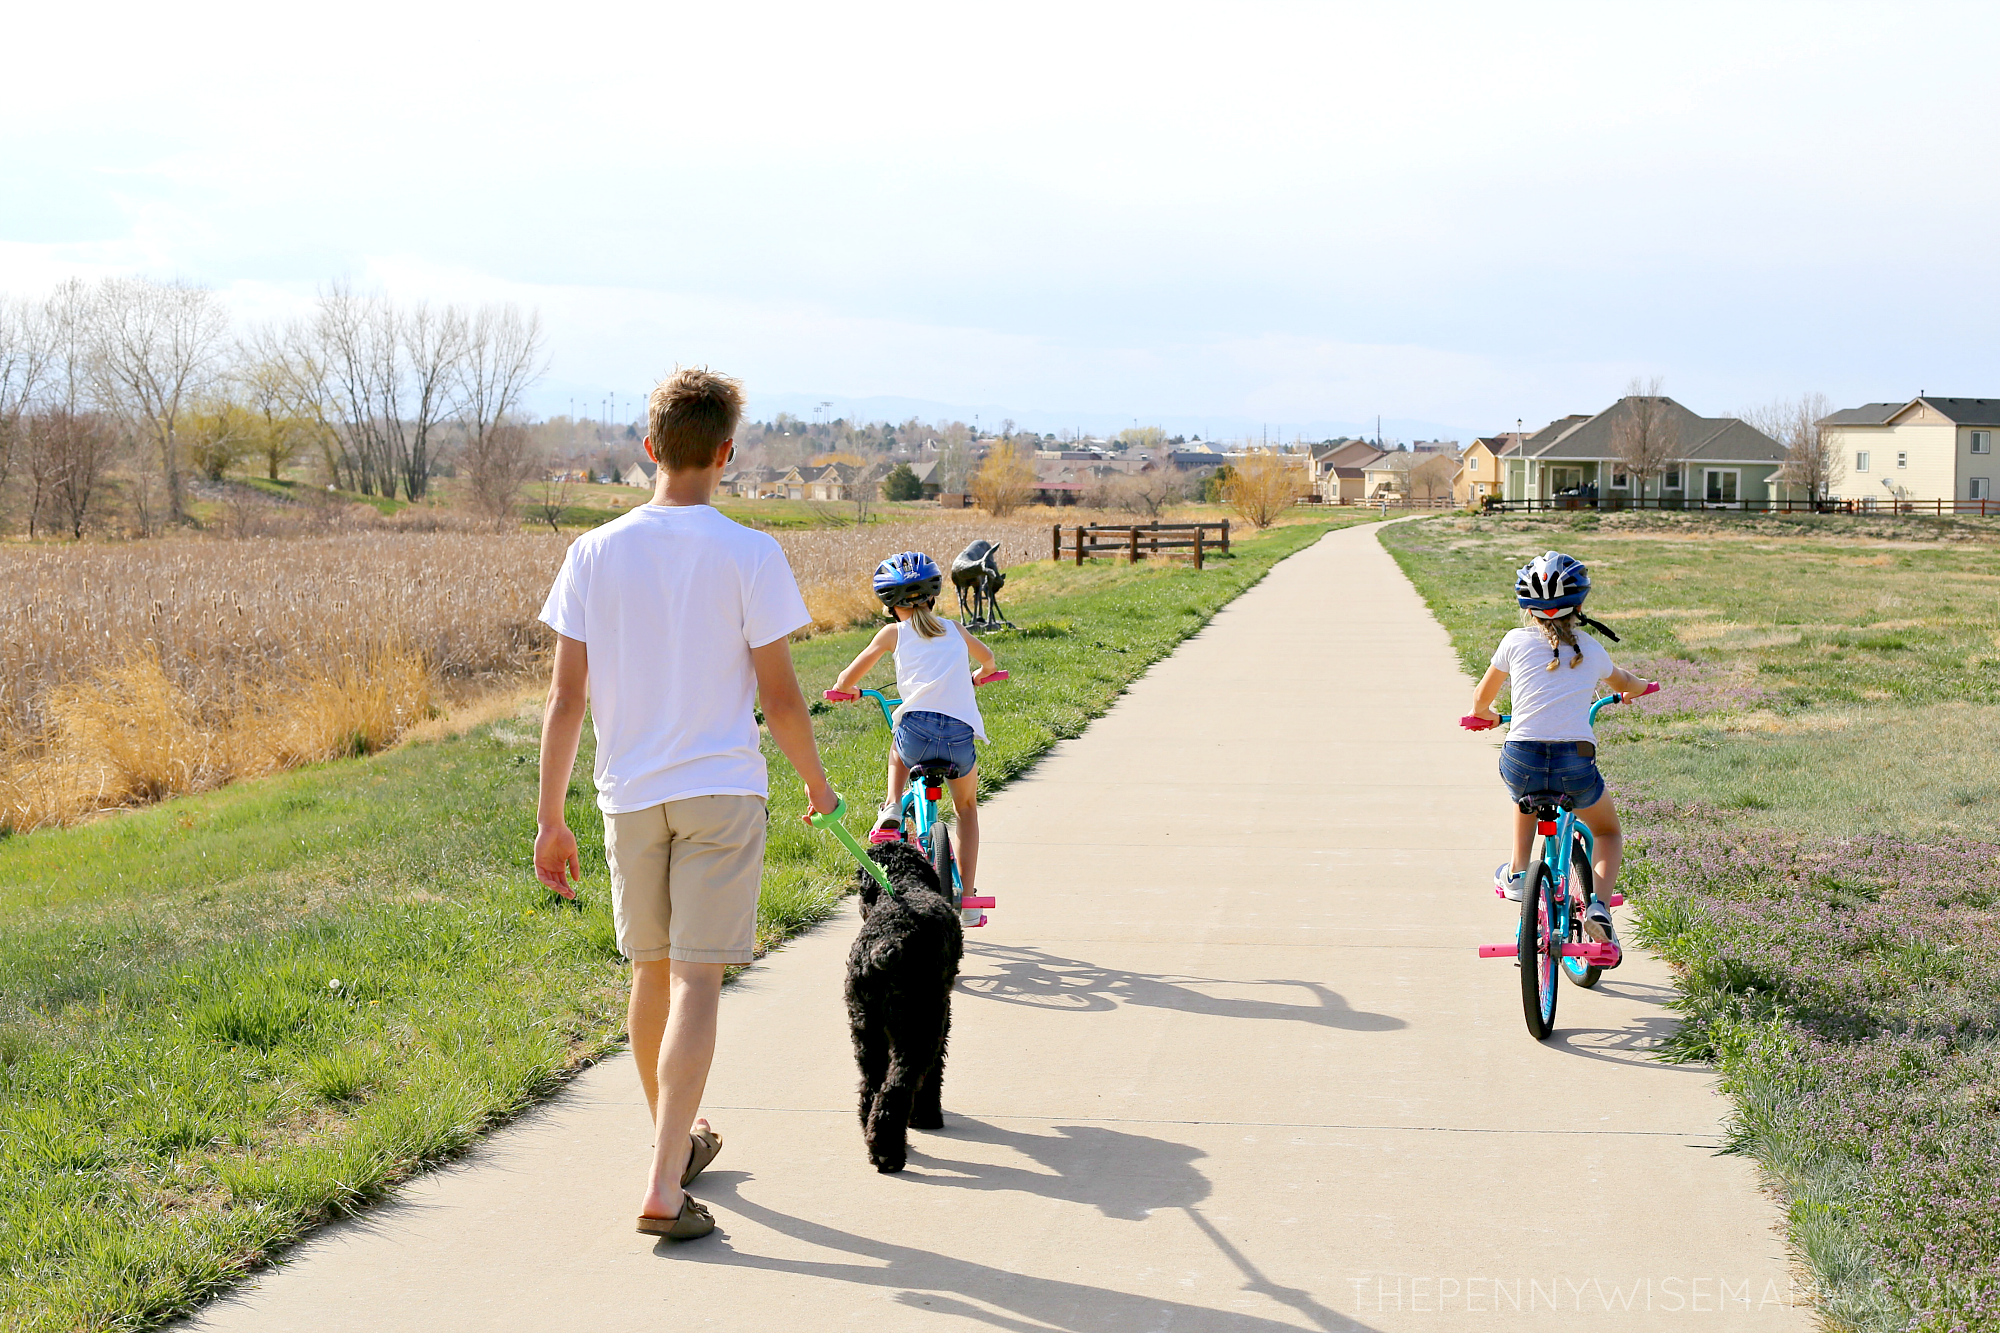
{"points": [[1597, 923], [888, 828], [1506, 882], [971, 916]]}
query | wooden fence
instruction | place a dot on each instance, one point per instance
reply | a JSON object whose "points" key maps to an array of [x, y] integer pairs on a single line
{"points": [[1133, 540]]}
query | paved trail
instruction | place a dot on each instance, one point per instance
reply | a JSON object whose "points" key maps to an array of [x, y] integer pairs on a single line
{"points": [[1226, 1060]]}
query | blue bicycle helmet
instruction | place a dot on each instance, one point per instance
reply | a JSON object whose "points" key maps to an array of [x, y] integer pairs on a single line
{"points": [[908, 578], [1551, 585]]}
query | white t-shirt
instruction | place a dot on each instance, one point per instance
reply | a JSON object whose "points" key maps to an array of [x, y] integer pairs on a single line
{"points": [[670, 601], [1551, 705], [935, 675]]}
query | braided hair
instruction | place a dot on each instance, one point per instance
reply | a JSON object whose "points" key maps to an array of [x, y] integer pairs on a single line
{"points": [[1561, 630]]}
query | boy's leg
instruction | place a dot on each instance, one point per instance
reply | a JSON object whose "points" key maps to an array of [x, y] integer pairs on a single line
{"points": [[646, 1024], [686, 1052], [965, 804]]}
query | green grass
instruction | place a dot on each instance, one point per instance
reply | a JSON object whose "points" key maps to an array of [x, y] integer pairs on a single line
{"points": [[228, 1018], [1812, 826]]}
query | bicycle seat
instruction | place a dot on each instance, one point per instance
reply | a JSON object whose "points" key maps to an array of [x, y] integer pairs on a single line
{"points": [[1536, 802], [941, 769]]}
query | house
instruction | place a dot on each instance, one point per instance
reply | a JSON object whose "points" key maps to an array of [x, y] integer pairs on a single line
{"points": [[756, 483], [1479, 467], [1715, 460], [1925, 449], [1388, 474], [1337, 472], [637, 475]]}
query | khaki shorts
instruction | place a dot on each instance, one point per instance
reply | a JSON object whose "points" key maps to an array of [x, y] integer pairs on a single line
{"points": [[684, 879]]}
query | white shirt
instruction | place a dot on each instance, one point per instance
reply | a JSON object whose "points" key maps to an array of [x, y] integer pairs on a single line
{"points": [[670, 601], [935, 675], [1551, 705]]}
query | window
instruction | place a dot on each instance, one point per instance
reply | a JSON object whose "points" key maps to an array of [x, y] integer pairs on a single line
{"points": [[1673, 480], [1721, 486], [1902, 459], [1861, 460], [1473, 466], [1982, 442], [1982, 488], [1619, 481]]}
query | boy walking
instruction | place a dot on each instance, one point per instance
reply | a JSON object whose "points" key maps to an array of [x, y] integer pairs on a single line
{"points": [[673, 621]]}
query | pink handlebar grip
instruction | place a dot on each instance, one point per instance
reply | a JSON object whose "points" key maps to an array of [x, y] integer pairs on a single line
{"points": [[989, 680], [1474, 722], [1616, 900], [842, 696], [977, 902], [1652, 687]]}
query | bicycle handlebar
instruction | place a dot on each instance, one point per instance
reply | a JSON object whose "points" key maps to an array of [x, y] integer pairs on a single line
{"points": [[849, 696], [1474, 722]]}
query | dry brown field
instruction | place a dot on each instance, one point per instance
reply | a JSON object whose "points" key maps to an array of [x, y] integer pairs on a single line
{"points": [[132, 671]]}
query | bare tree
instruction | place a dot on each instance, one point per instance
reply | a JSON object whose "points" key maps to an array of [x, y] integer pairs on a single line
{"points": [[157, 347], [552, 499], [432, 346], [1262, 486], [1005, 481], [503, 358], [865, 490], [1432, 479], [1812, 462], [24, 362], [1148, 493], [69, 452], [1646, 441], [291, 360]]}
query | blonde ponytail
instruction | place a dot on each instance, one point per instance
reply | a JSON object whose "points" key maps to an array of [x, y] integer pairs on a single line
{"points": [[925, 620], [1559, 632]]}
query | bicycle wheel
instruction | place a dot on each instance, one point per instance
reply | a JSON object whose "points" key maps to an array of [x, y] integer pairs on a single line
{"points": [[1581, 883], [942, 863], [1538, 951]]}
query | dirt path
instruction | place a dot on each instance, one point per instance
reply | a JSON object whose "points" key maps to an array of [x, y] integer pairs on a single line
{"points": [[1225, 1060]]}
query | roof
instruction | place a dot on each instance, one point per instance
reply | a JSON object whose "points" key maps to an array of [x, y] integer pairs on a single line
{"points": [[1355, 453], [1700, 439], [1959, 411], [1400, 460], [1498, 445]]}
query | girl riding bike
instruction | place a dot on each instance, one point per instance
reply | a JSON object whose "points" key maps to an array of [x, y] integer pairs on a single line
{"points": [[1551, 747], [938, 719]]}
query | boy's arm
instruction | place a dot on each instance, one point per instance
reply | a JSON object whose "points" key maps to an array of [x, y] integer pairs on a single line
{"points": [[556, 861], [980, 654], [785, 714], [857, 670], [1489, 690]]}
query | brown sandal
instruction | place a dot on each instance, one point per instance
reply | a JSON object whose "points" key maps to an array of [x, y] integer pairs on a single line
{"points": [[702, 1148], [692, 1222]]}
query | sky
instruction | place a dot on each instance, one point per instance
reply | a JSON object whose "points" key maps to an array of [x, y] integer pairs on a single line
{"points": [[1288, 218]]}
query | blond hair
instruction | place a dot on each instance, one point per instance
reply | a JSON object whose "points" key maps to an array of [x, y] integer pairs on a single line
{"points": [[690, 415], [925, 620], [1559, 632]]}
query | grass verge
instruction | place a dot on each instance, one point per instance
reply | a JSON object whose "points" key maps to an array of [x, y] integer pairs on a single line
{"points": [[228, 1018], [1811, 809]]}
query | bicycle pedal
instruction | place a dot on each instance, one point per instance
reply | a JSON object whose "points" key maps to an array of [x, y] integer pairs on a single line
{"points": [[883, 835]]}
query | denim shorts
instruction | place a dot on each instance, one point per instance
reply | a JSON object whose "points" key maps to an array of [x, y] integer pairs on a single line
{"points": [[1527, 766], [922, 737]]}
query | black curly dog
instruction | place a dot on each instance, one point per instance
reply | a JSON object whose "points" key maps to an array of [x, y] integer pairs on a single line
{"points": [[899, 978]]}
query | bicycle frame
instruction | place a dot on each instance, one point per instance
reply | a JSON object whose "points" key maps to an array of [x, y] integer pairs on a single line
{"points": [[920, 807]]}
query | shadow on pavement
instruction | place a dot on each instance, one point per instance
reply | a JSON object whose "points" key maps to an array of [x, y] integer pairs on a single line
{"points": [[1048, 981], [964, 1289]]}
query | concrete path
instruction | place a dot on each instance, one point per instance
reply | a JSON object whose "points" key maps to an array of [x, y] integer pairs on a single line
{"points": [[1226, 1060]]}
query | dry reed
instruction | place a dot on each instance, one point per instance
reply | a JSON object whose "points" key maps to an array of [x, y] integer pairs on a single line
{"points": [[131, 672]]}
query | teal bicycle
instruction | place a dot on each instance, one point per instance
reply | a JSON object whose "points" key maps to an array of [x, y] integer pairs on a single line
{"points": [[923, 825], [1555, 893]]}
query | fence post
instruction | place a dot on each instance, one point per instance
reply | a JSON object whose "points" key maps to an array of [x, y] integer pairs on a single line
{"points": [[1079, 547], [1197, 544], [1055, 552], [1225, 536], [1133, 558]]}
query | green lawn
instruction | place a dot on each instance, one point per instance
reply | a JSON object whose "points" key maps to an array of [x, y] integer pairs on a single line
{"points": [[1814, 804], [227, 1018]]}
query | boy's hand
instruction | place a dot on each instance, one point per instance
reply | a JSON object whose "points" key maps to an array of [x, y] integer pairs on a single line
{"points": [[556, 861], [824, 801]]}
